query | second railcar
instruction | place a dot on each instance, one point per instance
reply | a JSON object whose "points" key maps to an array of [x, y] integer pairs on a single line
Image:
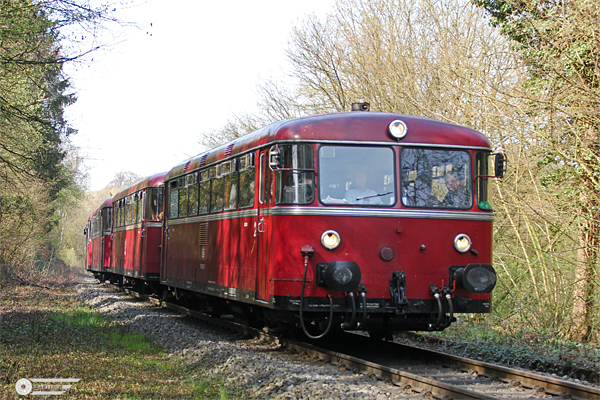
{"points": [[137, 232], [98, 233]]}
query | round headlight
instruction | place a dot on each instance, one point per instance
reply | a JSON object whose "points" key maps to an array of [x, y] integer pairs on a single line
{"points": [[330, 239], [343, 276], [397, 129], [476, 278], [340, 275], [462, 243]]}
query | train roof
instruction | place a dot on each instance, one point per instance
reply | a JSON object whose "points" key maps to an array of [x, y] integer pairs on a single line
{"points": [[356, 126], [151, 181]]}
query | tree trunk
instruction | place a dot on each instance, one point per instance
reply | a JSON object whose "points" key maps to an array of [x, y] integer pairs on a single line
{"points": [[587, 259]]}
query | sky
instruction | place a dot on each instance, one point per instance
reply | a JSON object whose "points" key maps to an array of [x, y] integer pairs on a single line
{"points": [[184, 69]]}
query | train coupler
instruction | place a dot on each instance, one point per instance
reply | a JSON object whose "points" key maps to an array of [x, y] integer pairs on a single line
{"points": [[398, 290]]}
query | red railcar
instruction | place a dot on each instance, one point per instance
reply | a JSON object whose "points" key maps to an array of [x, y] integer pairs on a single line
{"points": [[369, 220], [137, 232], [98, 232]]}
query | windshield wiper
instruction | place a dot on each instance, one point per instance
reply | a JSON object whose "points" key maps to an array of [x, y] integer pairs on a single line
{"points": [[374, 195]]}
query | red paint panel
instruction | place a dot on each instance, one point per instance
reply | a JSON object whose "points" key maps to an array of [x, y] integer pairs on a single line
{"points": [[107, 251], [118, 250], [96, 253], [182, 252], [151, 251], [362, 238]]}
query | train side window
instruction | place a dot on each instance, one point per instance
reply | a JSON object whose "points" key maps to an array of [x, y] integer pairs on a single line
{"points": [[133, 206], [154, 205], [94, 224], [106, 219], [193, 198], [217, 196], [231, 184], [136, 208], [129, 210], [295, 175], [204, 193], [192, 184], [138, 205], [123, 212], [173, 201], [484, 169], [247, 181], [183, 202], [133, 209]]}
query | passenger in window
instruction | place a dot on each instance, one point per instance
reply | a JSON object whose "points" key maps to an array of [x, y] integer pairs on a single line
{"points": [[360, 194], [305, 191], [309, 190], [156, 214], [457, 196]]}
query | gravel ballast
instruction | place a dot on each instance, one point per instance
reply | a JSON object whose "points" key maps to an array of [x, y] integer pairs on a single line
{"points": [[248, 367]]}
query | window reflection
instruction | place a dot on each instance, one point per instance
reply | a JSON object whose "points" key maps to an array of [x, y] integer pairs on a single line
{"points": [[436, 178]]}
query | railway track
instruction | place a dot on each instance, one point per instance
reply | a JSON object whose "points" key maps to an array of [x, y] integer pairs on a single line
{"points": [[415, 371]]}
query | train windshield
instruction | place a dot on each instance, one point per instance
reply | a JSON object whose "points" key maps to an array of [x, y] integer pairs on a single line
{"points": [[357, 176], [436, 178]]}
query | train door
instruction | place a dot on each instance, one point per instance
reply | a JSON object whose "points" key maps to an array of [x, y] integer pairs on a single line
{"points": [[167, 270], [143, 250], [263, 228], [88, 235]]}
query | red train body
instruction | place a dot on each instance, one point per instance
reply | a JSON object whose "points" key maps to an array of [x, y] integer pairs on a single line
{"points": [[138, 229], [98, 230], [361, 220]]}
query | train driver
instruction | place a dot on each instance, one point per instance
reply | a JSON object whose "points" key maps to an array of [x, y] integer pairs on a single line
{"points": [[360, 194]]}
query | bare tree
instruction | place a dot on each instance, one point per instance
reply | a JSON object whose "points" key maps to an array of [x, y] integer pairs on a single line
{"points": [[124, 178], [235, 127], [444, 60], [558, 41]]}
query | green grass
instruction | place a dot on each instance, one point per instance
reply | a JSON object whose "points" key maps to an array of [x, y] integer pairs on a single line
{"points": [[47, 333]]}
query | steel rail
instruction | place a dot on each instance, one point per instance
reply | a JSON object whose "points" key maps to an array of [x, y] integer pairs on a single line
{"points": [[419, 383]]}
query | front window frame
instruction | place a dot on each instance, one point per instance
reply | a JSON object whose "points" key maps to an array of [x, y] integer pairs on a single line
{"points": [[295, 176], [432, 191], [482, 185], [386, 190]]}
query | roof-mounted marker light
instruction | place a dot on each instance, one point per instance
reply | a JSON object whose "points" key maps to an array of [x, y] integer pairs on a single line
{"points": [[397, 129]]}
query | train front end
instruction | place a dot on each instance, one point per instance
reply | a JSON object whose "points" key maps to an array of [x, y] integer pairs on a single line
{"points": [[387, 223]]}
